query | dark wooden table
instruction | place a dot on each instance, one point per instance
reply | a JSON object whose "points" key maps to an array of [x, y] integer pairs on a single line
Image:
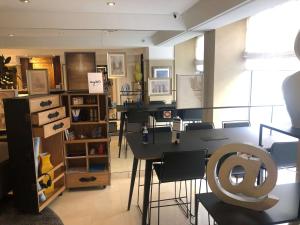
{"points": [[152, 109], [286, 210], [211, 139]]}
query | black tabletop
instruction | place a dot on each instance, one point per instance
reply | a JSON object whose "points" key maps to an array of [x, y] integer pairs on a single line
{"points": [[283, 128], [148, 108], [286, 210], [209, 139]]}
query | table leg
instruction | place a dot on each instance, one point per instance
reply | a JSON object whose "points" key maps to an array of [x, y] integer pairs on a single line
{"points": [[121, 131], [196, 209], [147, 184], [133, 175]]}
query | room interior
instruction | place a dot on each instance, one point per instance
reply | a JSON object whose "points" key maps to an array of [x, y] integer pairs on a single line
{"points": [[92, 152]]}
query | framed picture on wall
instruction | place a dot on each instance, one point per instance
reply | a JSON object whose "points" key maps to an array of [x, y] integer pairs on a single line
{"points": [[161, 72], [78, 65], [159, 87], [116, 63], [37, 81]]}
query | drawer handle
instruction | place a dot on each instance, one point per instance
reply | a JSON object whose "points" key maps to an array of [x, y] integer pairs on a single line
{"points": [[58, 126], [45, 103], [53, 115], [87, 179]]}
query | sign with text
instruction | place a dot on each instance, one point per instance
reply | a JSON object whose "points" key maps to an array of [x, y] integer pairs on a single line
{"points": [[95, 81]]}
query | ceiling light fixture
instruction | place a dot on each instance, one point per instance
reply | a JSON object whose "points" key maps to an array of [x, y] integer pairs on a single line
{"points": [[111, 3], [25, 1], [11, 35]]}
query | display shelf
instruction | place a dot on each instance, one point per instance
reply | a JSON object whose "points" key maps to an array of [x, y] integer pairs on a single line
{"points": [[39, 124], [89, 139]]}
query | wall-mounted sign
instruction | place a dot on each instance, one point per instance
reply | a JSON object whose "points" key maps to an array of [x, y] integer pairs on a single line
{"points": [[95, 81], [246, 193]]}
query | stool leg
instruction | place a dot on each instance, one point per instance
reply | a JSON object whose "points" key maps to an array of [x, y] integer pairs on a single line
{"points": [[158, 204], [196, 211]]}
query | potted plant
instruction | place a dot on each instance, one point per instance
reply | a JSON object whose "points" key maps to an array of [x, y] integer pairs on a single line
{"points": [[6, 74]]}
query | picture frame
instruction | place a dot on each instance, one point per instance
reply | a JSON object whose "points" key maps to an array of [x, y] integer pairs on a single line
{"points": [[161, 72], [116, 65], [101, 69], [37, 81], [159, 87]]}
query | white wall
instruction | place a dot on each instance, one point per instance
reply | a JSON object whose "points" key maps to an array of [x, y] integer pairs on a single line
{"points": [[231, 81]]}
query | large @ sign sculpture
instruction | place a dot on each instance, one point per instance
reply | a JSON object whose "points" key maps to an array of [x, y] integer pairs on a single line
{"points": [[246, 193]]}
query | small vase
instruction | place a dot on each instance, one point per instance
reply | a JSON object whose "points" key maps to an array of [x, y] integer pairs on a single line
{"points": [[46, 166]]}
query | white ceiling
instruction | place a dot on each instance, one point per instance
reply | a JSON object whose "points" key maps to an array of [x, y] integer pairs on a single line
{"points": [[100, 6], [91, 24]]}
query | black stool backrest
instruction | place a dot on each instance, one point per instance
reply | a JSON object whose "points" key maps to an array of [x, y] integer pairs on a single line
{"points": [[199, 126], [284, 154], [184, 165], [160, 129], [236, 124], [137, 116]]}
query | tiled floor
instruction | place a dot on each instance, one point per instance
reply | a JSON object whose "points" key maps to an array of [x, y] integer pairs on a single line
{"points": [[108, 206]]}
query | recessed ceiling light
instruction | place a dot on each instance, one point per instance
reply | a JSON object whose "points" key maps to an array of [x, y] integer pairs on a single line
{"points": [[11, 35], [111, 3], [25, 1]]}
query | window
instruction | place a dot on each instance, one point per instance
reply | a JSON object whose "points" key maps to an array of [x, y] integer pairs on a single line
{"points": [[270, 57], [199, 54]]}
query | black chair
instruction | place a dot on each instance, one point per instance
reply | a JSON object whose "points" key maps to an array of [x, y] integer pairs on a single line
{"points": [[150, 130], [190, 115], [135, 121], [199, 126], [178, 166], [231, 124], [284, 154]]}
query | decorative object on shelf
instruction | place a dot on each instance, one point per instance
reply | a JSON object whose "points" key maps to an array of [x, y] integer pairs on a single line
{"points": [[125, 89], [101, 149], [137, 73], [78, 65], [161, 72], [95, 83], [245, 194], [75, 114], [291, 90], [92, 151], [159, 87], [77, 100], [116, 65], [37, 81], [46, 166], [96, 132]]}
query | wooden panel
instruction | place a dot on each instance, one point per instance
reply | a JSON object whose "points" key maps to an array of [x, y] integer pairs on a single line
{"points": [[52, 128], [48, 116], [87, 179], [43, 103], [78, 65]]}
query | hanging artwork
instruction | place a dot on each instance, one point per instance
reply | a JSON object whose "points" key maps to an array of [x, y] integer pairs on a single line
{"points": [[116, 65]]}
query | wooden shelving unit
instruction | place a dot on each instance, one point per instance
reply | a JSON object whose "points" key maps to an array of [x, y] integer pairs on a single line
{"points": [[28, 119], [86, 150]]}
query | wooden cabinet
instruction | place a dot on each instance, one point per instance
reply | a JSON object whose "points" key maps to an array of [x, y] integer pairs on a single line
{"points": [[28, 119], [87, 153]]}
